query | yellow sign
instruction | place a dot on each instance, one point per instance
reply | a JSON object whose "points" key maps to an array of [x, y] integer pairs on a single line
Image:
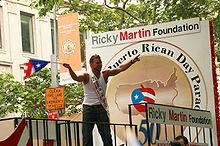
{"points": [[55, 98]]}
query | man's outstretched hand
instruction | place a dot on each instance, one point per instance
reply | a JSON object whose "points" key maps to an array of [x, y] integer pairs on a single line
{"points": [[135, 59], [66, 65]]}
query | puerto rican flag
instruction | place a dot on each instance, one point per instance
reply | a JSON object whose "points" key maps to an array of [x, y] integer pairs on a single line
{"points": [[143, 95], [33, 66]]}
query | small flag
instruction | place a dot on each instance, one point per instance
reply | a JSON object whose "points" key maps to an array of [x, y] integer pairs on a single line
{"points": [[33, 66]]}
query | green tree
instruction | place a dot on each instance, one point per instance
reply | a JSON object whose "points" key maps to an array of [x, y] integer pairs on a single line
{"points": [[33, 104], [28, 99], [10, 96], [119, 14], [73, 97]]}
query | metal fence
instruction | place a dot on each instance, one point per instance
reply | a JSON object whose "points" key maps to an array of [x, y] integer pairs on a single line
{"points": [[73, 133], [46, 132]]}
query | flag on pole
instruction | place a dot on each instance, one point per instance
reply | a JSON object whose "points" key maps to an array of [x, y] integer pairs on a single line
{"points": [[33, 66]]}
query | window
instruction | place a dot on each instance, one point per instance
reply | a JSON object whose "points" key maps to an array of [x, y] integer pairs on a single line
{"points": [[52, 35], [27, 33], [5, 68]]}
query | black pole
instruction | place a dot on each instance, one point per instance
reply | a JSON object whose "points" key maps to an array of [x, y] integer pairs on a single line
{"points": [[77, 131], [69, 134], [30, 132], [210, 131], [58, 134], [148, 128], [130, 117]]}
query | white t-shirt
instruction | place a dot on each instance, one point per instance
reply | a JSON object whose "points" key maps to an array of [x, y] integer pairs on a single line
{"points": [[90, 96]]}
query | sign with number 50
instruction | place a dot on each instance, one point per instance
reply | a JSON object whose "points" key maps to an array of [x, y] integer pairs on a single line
{"points": [[143, 129]]}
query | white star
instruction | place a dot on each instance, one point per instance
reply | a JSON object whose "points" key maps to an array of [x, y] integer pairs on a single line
{"points": [[136, 97], [38, 65]]}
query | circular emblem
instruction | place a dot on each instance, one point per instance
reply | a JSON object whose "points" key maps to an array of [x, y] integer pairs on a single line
{"points": [[68, 47], [165, 74], [142, 95]]}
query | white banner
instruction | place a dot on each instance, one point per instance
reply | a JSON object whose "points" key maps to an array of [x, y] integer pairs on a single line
{"points": [[178, 116], [175, 69], [169, 29]]}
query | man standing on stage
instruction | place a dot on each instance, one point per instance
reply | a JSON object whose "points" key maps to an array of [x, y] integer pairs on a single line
{"points": [[95, 107]]}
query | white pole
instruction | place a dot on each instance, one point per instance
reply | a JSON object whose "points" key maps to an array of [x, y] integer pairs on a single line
{"points": [[54, 66]]}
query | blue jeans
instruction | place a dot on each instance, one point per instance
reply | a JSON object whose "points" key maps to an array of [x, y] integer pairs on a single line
{"points": [[96, 114]]}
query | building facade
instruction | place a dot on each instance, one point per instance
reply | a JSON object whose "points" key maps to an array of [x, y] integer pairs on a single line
{"points": [[23, 35]]}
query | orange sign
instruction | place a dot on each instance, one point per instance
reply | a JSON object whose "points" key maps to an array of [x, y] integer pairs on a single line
{"points": [[55, 98], [69, 41], [69, 45]]}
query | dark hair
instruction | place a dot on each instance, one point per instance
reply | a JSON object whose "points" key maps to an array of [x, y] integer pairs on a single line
{"points": [[94, 57], [182, 137], [174, 143]]}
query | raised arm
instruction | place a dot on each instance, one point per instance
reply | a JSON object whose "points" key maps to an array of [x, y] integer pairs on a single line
{"points": [[123, 67], [81, 78]]}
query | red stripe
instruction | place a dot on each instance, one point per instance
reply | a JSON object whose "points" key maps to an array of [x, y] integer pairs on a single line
{"points": [[29, 68], [28, 143], [15, 137], [148, 90], [149, 100], [215, 84]]}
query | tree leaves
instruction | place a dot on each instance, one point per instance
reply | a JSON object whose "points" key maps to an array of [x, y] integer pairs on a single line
{"points": [[8, 94], [120, 14], [29, 100]]}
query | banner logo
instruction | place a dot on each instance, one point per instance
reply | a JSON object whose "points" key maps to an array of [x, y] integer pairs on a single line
{"points": [[68, 47], [142, 95]]}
